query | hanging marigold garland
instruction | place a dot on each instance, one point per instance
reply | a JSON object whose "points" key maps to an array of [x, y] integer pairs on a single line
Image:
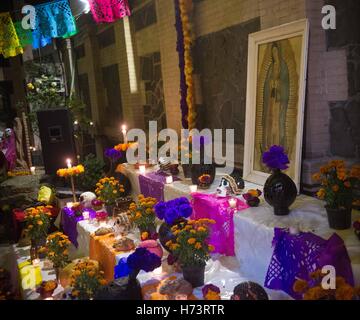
{"points": [[183, 10]]}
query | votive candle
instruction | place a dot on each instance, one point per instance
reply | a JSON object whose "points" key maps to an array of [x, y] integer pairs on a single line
{"points": [[193, 188], [142, 169], [232, 203], [32, 170], [169, 179]]}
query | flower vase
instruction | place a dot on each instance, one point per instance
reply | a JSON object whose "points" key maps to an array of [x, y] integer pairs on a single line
{"points": [[165, 233], [187, 170], [110, 209], [339, 218], [34, 250], [195, 275], [280, 192]]}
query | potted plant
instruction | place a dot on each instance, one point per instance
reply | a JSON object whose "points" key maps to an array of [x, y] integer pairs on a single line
{"points": [[191, 248], [108, 190], [172, 212], [279, 189], [142, 215], [57, 250], [336, 191], [37, 223], [86, 280], [313, 289]]}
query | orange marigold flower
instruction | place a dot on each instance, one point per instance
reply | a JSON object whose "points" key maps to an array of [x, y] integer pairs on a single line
{"points": [[191, 241], [335, 188], [300, 286]]}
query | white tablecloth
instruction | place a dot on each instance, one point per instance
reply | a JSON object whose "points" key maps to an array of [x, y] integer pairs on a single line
{"points": [[254, 227]]}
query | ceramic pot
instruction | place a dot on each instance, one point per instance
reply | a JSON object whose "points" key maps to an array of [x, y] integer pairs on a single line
{"points": [[195, 275], [339, 219], [197, 170], [280, 192]]}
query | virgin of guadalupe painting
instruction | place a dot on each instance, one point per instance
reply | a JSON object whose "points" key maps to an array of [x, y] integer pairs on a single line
{"points": [[275, 101]]}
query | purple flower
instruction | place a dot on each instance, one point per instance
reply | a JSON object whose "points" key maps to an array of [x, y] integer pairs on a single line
{"points": [[143, 259], [185, 210], [276, 158], [113, 154], [172, 214], [160, 210]]}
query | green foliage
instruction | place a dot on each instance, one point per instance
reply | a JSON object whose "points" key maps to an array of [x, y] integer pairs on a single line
{"points": [[94, 170]]}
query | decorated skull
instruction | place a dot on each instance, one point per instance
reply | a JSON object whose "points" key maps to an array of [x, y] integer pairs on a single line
{"points": [[86, 198], [231, 184]]}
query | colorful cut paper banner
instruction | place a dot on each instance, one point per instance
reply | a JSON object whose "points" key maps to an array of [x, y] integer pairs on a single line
{"points": [[25, 36], [109, 10], [9, 41], [53, 20]]}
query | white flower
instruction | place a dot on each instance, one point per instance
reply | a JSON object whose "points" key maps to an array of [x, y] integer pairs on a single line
{"points": [[53, 84], [38, 81], [52, 90], [44, 77], [37, 90]]}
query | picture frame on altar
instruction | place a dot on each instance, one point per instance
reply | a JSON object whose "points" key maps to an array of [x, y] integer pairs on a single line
{"points": [[276, 82]]}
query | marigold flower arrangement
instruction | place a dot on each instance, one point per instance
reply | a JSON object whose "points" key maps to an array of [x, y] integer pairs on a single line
{"points": [[142, 215], [70, 172], [86, 279], [124, 146], [47, 288], [57, 249], [211, 292], [18, 173], [37, 222], [252, 197], [313, 290], [109, 189], [336, 184], [190, 247]]}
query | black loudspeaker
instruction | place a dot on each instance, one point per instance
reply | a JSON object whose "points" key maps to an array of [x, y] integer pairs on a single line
{"points": [[57, 139]]}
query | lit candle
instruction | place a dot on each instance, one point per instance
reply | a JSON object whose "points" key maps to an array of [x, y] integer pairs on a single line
{"points": [[49, 298], [68, 162], [232, 203], [69, 205], [36, 262], [86, 215], [158, 271], [32, 170], [142, 169], [193, 188], [123, 130], [169, 179], [103, 224], [294, 230]]}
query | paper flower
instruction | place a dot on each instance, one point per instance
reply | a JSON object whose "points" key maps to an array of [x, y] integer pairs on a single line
{"points": [[276, 158], [173, 210]]}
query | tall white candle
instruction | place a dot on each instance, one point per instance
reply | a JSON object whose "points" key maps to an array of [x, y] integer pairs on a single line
{"points": [[123, 130], [68, 162], [32, 170], [169, 179]]}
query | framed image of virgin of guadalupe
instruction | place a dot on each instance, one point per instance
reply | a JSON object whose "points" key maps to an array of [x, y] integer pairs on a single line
{"points": [[277, 64]]}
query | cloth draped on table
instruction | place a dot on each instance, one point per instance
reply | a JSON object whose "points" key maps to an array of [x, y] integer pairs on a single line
{"points": [[211, 206], [152, 185], [296, 256], [69, 222], [53, 20], [109, 10], [9, 42]]}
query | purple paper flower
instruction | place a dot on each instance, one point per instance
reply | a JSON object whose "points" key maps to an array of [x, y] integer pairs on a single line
{"points": [[173, 210], [276, 158], [113, 154], [143, 259]]}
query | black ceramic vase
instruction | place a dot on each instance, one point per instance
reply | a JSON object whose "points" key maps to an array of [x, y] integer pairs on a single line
{"points": [[194, 275], [165, 233], [280, 192], [197, 170]]}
